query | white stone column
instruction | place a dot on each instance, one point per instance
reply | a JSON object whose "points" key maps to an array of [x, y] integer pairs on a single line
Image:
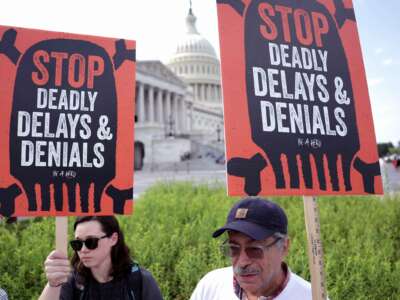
{"points": [[202, 91], [168, 105], [215, 93], [168, 114], [160, 117], [164, 107], [175, 113], [151, 104], [194, 91], [182, 114], [140, 107], [178, 113], [189, 116]]}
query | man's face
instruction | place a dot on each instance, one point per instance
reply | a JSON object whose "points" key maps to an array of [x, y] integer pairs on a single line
{"points": [[96, 257], [262, 275]]}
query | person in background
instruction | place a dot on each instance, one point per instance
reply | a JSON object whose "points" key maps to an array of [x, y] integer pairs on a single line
{"points": [[102, 267], [3, 294], [257, 244]]}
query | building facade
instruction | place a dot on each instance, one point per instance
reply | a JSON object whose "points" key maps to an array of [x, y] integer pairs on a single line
{"points": [[197, 64], [179, 105]]}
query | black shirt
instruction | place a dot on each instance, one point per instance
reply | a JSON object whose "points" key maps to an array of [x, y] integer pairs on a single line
{"points": [[116, 289]]}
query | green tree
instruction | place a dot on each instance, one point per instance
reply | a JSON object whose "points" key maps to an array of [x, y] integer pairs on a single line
{"points": [[383, 148], [170, 235]]}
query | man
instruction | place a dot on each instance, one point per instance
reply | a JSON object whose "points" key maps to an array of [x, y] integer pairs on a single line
{"points": [[257, 244]]}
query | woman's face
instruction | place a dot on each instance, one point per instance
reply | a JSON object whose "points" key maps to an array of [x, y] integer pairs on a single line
{"points": [[93, 258]]}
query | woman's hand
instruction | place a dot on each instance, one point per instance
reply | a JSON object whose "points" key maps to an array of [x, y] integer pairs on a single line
{"points": [[57, 268]]}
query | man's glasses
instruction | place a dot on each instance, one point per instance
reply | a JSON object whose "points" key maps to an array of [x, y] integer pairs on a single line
{"points": [[253, 252], [91, 243]]}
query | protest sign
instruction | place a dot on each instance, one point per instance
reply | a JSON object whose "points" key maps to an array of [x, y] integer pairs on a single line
{"points": [[66, 132], [297, 114]]}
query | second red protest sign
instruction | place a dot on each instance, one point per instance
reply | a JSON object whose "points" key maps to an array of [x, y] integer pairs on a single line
{"points": [[296, 105]]}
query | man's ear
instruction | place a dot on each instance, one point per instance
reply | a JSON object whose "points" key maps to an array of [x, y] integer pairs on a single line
{"points": [[285, 247]]}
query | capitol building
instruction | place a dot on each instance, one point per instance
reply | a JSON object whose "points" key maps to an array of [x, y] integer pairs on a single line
{"points": [[179, 105]]}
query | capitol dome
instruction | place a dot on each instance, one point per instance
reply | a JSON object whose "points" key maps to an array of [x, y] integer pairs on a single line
{"points": [[196, 63], [193, 43]]}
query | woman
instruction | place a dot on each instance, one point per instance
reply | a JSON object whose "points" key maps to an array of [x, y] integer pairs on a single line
{"points": [[102, 266]]}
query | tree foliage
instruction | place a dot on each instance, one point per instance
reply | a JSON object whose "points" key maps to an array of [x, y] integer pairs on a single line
{"points": [[384, 148], [170, 234]]}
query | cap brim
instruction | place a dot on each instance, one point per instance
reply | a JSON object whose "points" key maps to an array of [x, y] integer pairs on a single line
{"points": [[255, 231]]}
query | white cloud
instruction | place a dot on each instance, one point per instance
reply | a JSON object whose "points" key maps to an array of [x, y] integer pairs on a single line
{"points": [[384, 107], [373, 82], [156, 25], [358, 2], [388, 61], [378, 50]]}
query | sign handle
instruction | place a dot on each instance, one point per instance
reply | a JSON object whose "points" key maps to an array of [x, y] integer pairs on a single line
{"points": [[61, 234], [315, 252]]}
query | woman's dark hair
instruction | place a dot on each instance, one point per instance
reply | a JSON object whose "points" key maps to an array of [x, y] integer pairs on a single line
{"points": [[120, 254]]}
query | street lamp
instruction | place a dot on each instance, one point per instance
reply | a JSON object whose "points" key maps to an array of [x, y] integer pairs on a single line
{"points": [[219, 130], [170, 126]]}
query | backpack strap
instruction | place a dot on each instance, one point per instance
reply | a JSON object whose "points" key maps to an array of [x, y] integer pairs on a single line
{"points": [[135, 285], [80, 290], [135, 282], [82, 294]]}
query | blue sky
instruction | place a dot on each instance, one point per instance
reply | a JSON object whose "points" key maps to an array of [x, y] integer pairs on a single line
{"points": [[156, 25], [378, 25]]}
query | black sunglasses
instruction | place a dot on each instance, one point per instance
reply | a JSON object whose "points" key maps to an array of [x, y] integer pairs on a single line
{"points": [[91, 243]]}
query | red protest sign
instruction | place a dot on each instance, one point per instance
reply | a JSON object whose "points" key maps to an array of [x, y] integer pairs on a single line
{"points": [[296, 106], [66, 132]]}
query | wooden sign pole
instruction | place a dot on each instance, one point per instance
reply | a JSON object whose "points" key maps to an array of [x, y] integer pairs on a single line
{"points": [[61, 234], [315, 253]]}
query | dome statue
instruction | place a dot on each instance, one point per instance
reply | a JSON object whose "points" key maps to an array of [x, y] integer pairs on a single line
{"points": [[193, 43]]}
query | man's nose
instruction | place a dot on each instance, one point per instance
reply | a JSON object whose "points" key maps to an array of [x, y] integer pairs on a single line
{"points": [[243, 259]]}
